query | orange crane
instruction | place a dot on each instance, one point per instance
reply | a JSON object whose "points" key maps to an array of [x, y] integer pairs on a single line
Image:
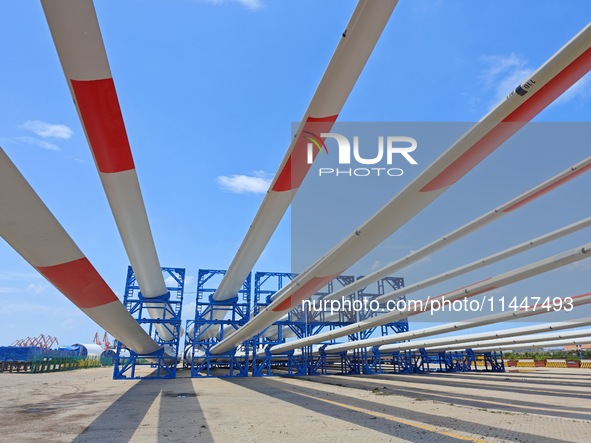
{"points": [[41, 341], [97, 340], [105, 343]]}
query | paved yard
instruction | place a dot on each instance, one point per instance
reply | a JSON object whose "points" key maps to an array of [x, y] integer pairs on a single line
{"points": [[86, 405]]}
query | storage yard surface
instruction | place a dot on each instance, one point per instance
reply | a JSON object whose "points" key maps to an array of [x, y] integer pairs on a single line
{"points": [[538, 405]]}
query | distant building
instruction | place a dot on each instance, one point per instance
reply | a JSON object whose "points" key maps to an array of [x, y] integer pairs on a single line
{"points": [[586, 347]]}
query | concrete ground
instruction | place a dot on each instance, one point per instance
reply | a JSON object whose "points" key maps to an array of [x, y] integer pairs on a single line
{"points": [[542, 405]]}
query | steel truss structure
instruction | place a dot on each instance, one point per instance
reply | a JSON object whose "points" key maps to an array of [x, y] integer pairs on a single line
{"points": [[168, 310], [421, 361], [253, 357], [299, 322], [198, 341], [231, 334]]}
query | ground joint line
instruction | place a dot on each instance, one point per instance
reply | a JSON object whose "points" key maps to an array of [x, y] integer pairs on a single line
{"points": [[391, 418]]}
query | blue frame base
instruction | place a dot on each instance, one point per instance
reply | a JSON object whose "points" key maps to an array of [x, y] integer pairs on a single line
{"points": [[169, 307]]}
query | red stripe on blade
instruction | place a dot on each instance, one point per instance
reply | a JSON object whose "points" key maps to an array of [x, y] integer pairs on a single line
{"points": [[553, 89], [101, 115], [80, 282], [547, 189], [474, 155], [512, 123], [303, 292], [293, 173]]}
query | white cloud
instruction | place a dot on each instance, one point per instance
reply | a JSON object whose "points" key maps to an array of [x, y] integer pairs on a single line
{"points": [[582, 265], [504, 72], [253, 5], [15, 275], [496, 291], [37, 142], [48, 130], [29, 308], [32, 281], [43, 131], [581, 89], [245, 184], [418, 263], [376, 265], [500, 65], [170, 281], [37, 288], [471, 100]]}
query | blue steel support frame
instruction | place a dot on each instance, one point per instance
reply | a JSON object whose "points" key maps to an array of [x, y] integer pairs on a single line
{"points": [[237, 313], [456, 361], [369, 293], [302, 323], [306, 361], [421, 361], [312, 322], [164, 361], [266, 284], [362, 361], [494, 362]]}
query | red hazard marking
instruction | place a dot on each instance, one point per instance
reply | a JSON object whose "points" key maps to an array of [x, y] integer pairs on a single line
{"points": [[101, 115], [80, 282], [512, 123], [293, 173], [303, 292]]}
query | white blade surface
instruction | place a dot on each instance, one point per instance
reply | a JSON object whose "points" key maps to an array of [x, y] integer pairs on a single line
{"points": [[31, 229], [560, 72]]}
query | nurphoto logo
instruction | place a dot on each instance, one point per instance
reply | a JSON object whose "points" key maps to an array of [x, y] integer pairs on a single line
{"points": [[389, 148]]}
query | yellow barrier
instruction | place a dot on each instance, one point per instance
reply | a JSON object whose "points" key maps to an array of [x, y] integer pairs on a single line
{"points": [[94, 363], [556, 363], [586, 364], [526, 363]]}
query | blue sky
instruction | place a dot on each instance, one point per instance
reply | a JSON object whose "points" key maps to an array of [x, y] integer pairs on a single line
{"points": [[208, 91]]}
